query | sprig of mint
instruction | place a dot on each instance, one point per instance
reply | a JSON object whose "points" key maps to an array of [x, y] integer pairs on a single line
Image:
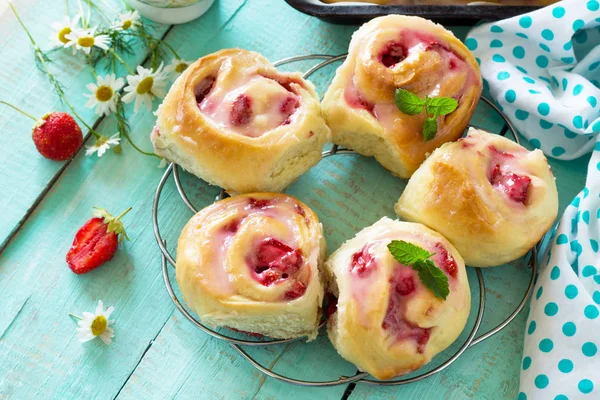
{"points": [[418, 258], [411, 104]]}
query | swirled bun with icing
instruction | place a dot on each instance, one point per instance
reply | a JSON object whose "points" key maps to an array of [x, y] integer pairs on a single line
{"points": [[252, 263], [400, 52], [387, 322], [489, 196], [236, 122]]}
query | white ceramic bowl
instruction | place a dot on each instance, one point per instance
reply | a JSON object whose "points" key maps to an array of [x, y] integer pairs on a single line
{"points": [[171, 11]]}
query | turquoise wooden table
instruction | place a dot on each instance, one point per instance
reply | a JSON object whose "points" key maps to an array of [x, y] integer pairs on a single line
{"points": [[156, 353]]}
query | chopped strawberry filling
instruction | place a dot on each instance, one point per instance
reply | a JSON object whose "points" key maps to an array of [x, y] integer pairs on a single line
{"points": [[394, 320], [404, 286], [297, 290], [446, 260], [515, 186], [252, 334], [232, 226], [274, 260], [363, 262], [331, 302], [203, 88], [257, 204], [288, 107], [392, 54], [241, 110], [355, 99]]}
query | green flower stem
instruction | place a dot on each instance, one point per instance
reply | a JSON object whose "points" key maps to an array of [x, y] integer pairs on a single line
{"points": [[84, 21], [158, 41], [118, 57], [51, 77], [75, 316], [137, 148], [92, 66], [99, 11], [105, 4], [124, 212], [19, 110]]}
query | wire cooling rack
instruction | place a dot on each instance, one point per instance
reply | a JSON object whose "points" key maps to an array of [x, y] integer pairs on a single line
{"points": [[360, 377]]}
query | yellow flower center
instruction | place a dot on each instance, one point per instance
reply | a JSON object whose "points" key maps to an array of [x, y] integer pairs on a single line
{"points": [[101, 140], [104, 93], [145, 85], [99, 325], [86, 41], [62, 34], [180, 67], [127, 24]]}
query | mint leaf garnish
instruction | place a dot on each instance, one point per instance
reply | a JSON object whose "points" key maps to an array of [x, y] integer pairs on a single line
{"points": [[429, 128], [441, 105], [411, 104], [418, 258], [408, 102], [433, 278], [407, 253]]}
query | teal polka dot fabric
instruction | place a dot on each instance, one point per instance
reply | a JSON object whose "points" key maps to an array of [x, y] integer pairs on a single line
{"points": [[555, 51], [543, 70]]}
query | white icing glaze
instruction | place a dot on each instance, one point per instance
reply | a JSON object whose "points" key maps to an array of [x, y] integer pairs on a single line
{"points": [[265, 100]]}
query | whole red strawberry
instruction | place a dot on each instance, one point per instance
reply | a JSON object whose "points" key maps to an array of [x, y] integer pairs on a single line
{"points": [[57, 136], [96, 242]]}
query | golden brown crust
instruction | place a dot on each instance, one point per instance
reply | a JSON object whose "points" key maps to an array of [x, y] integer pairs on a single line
{"points": [[224, 157], [217, 282], [372, 125], [452, 193], [470, 212], [357, 328]]}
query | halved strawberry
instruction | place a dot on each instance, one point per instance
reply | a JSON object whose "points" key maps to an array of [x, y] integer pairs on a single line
{"points": [[96, 242]]}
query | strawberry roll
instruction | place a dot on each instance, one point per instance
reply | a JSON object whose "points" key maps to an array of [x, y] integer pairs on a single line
{"points": [[236, 122], [252, 263], [492, 198], [400, 52], [390, 318]]}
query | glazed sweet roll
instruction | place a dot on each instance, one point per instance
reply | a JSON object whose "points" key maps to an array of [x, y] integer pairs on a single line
{"points": [[252, 263], [492, 198], [387, 322], [399, 52], [236, 122]]}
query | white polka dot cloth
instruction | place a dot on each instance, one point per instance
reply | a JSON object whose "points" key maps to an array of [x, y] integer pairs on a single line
{"points": [[543, 69]]}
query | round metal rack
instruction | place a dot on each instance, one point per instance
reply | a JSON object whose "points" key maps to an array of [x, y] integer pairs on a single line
{"points": [[360, 377]]}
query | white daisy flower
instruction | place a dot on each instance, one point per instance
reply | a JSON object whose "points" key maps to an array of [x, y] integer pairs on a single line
{"points": [[177, 66], [128, 20], [104, 94], [144, 86], [102, 144], [97, 324], [85, 39], [61, 29]]}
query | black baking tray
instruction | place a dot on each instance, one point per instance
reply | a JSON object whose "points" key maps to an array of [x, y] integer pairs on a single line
{"points": [[450, 14]]}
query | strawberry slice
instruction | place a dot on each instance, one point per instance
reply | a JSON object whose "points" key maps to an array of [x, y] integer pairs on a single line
{"points": [[363, 262], [447, 261], [96, 242], [515, 186]]}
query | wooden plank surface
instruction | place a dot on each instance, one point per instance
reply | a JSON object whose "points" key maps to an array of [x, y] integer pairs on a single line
{"points": [[157, 353], [26, 175]]}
